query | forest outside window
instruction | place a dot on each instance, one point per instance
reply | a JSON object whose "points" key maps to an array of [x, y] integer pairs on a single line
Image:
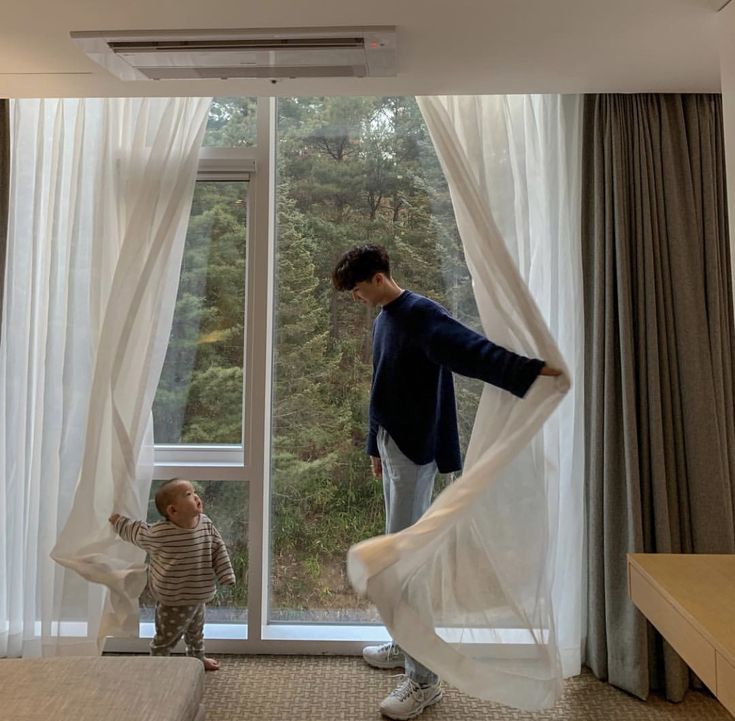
{"points": [[200, 393], [350, 171]]}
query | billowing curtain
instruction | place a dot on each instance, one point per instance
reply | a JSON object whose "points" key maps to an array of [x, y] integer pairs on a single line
{"points": [[485, 589], [100, 195]]}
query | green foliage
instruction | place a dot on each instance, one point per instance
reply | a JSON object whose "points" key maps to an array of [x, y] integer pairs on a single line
{"points": [[231, 122], [199, 397]]}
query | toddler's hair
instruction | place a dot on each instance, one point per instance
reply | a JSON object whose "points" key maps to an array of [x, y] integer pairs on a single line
{"points": [[165, 495]]}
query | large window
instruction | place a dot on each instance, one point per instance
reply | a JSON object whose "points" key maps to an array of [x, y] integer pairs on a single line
{"points": [[263, 398]]}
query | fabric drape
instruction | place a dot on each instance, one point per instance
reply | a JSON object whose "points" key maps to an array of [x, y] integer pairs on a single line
{"points": [[100, 197], [527, 151], [659, 361], [4, 194], [469, 590]]}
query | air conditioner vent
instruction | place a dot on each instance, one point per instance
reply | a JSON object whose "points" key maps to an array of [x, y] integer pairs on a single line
{"points": [[251, 44], [272, 53], [348, 71]]}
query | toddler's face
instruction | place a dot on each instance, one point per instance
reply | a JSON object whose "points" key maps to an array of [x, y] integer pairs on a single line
{"points": [[187, 503]]}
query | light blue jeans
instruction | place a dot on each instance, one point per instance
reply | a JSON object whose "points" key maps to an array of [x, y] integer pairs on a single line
{"points": [[407, 489]]}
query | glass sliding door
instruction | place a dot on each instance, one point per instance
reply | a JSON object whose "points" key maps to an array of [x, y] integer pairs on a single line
{"points": [[350, 171]]}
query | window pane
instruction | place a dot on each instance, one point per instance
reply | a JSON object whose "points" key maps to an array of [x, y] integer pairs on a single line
{"points": [[226, 503], [231, 123], [351, 170], [200, 394]]}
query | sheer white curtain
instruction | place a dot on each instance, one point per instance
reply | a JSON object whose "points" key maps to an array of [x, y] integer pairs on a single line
{"points": [[100, 195], [486, 588], [525, 151]]}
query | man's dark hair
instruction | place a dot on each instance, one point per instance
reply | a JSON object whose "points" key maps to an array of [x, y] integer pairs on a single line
{"points": [[359, 264], [166, 494]]}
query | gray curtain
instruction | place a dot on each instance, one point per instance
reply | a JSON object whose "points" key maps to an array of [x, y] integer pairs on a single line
{"points": [[659, 361], [4, 195]]}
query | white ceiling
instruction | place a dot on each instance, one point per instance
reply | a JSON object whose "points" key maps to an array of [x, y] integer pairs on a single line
{"points": [[449, 47]]}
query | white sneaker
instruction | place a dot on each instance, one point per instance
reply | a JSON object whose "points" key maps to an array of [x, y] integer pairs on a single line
{"points": [[386, 656], [410, 699]]}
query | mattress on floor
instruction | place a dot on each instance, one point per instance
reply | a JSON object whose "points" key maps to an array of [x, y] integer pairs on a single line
{"points": [[130, 688]]}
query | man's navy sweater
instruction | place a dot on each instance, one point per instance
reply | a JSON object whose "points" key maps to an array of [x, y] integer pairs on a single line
{"points": [[416, 346]]}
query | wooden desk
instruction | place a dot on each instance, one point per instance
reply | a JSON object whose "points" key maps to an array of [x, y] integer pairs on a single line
{"points": [[690, 599]]}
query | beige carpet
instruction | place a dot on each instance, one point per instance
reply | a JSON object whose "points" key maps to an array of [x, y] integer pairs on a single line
{"points": [[343, 688]]}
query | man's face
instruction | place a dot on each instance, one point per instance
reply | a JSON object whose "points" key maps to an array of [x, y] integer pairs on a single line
{"points": [[370, 292]]}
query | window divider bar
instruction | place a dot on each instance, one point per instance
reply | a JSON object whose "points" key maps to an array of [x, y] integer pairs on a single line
{"points": [[258, 353], [222, 175], [194, 472], [239, 154]]}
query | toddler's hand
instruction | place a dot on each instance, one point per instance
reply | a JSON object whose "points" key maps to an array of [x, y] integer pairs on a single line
{"points": [[113, 518]]}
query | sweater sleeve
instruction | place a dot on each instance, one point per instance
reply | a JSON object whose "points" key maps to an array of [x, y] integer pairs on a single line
{"points": [[448, 342], [221, 560], [372, 438], [135, 532]]}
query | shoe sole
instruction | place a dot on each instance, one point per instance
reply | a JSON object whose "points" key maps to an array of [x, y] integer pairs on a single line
{"points": [[383, 664], [434, 699]]}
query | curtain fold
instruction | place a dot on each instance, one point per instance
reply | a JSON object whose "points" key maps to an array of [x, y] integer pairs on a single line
{"points": [[470, 589], [100, 197], [4, 194], [659, 361], [526, 153]]}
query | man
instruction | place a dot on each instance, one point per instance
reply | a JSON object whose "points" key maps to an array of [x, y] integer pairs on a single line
{"points": [[413, 418]]}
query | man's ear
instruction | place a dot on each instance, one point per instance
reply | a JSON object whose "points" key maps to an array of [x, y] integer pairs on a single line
{"points": [[379, 279]]}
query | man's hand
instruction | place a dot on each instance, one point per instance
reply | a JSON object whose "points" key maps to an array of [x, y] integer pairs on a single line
{"points": [[546, 371], [377, 465], [113, 518]]}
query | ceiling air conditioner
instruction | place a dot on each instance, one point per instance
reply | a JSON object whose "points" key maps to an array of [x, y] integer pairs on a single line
{"points": [[268, 53]]}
